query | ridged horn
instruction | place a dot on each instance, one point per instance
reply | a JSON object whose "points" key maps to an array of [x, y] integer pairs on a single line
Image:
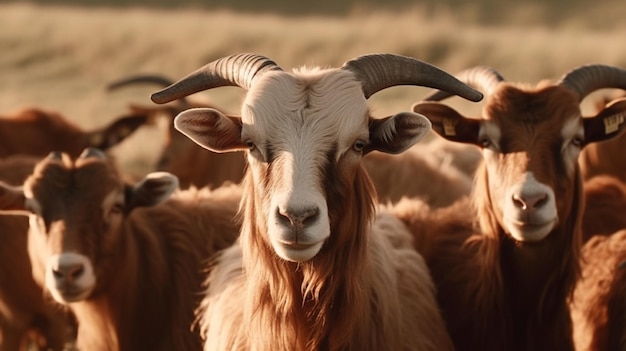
{"points": [[380, 71], [235, 70], [586, 79], [482, 78]]}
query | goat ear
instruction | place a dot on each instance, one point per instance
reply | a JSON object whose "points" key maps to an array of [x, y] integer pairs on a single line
{"points": [[12, 199], [448, 123], [211, 129], [607, 124], [117, 131], [397, 133], [153, 189]]}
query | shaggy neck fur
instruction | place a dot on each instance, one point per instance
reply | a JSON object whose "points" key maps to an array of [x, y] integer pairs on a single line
{"points": [[318, 305], [152, 306], [532, 281]]}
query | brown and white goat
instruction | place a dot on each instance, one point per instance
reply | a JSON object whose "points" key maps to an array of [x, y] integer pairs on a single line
{"points": [[393, 175], [505, 262], [316, 268], [126, 260]]}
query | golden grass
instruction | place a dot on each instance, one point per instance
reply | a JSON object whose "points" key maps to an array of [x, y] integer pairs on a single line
{"points": [[62, 57]]}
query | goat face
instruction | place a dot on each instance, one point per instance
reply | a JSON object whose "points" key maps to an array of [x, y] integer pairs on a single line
{"points": [[305, 134], [76, 211], [531, 139]]}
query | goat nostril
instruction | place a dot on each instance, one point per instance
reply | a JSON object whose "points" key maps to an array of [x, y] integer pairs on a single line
{"points": [[300, 217], [77, 272], [518, 201]]}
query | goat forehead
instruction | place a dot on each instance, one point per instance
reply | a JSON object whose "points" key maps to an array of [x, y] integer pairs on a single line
{"points": [[306, 108], [58, 187]]}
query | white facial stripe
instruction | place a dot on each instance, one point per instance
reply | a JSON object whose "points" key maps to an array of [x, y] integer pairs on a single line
{"points": [[70, 277], [302, 116], [491, 131], [573, 128]]}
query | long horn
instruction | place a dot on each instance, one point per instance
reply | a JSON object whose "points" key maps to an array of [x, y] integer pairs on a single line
{"points": [[380, 71], [235, 70], [144, 79], [482, 78], [140, 79], [588, 78]]}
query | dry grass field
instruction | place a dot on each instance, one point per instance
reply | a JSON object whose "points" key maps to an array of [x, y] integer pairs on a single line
{"points": [[61, 57]]}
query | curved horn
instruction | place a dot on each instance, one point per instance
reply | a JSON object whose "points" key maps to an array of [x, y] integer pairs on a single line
{"points": [[140, 79], [482, 78], [55, 155], [235, 70], [92, 152], [380, 71], [586, 79]]}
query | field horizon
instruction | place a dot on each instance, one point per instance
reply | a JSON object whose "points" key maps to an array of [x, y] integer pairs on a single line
{"points": [[61, 57]]}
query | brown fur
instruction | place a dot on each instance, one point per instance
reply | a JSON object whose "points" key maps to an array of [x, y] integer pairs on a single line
{"points": [[417, 172], [605, 198], [148, 267], [348, 297], [27, 318], [36, 132], [599, 300]]}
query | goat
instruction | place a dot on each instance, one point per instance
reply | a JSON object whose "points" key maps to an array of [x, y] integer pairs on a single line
{"points": [[317, 267], [443, 182], [27, 319], [126, 260], [36, 132], [505, 261]]}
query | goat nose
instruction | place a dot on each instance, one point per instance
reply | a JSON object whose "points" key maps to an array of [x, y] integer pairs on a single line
{"points": [[298, 217], [530, 201], [68, 271]]}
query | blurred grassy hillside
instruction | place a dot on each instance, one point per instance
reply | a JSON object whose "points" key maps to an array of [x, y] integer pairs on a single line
{"points": [[58, 55]]}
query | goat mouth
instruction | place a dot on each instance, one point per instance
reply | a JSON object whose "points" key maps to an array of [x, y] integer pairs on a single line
{"points": [[529, 231], [297, 246], [72, 294]]}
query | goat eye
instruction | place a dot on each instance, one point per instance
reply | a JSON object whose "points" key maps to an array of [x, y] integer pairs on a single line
{"points": [[578, 141], [250, 145], [359, 145], [117, 208], [485, 142]]}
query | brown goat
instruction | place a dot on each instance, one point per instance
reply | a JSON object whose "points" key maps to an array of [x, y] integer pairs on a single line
{"points": [[27, 318], [317, 266], [506, 261], [24, 134], [393, 175], [37, 132], [126, 260]]}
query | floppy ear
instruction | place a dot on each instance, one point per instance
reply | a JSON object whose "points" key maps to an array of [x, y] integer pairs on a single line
{"points": [[397, 133], [448, 123], [607, 124], [211, 129], [153, 189], [12, 199], [117, 131]]}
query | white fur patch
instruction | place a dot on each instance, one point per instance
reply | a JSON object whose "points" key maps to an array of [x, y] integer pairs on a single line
{"points": [[69, 277]]}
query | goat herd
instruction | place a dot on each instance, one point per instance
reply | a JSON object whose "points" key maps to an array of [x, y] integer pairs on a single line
{"points": [[289, 233]]}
